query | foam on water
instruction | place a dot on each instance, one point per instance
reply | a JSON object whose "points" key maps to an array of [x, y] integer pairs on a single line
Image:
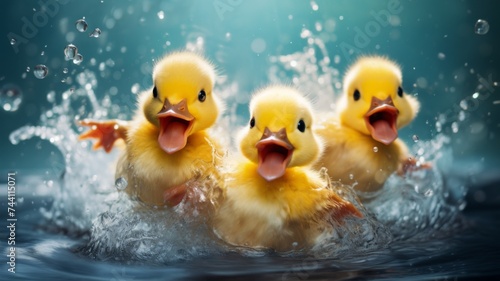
{"points": [[418, 206]]}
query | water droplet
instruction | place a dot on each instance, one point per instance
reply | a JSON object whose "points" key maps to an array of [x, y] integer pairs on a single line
{"points": [[96, 33], [12, 41], [10, 97], [464, 105], [482, 27], [462, 206], [461, 115], [40, 71], [305, 33], [258, 45], [78, 59], [439, 127], [81, 25], [415, 138], [51, 96], [314, 5], [65, 70], [375, 149], [454, 127], [121, 183], [70, 52], [161, 15]]}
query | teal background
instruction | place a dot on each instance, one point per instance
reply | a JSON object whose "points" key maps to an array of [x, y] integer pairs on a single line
{"points": [[421, 31]]}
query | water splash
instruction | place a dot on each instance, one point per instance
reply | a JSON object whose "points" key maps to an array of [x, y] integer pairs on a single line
{"points": [[310, 71], [420, 205], [129, 231], [79, 193], [354, 235]]}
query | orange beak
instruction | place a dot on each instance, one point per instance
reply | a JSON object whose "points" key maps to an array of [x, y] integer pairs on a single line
{"points": [[381, 120], [275, 153], [175, 125]]}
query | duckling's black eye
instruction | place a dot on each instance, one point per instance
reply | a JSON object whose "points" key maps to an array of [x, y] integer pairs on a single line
{"points": [[301, 126], [400, 92], [155, 92], [202, 96], [356, 95], [252, 122]]}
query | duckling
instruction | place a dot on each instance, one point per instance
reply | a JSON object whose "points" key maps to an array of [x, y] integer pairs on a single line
{"points": [[362, 144], [272, 197], [167, 143]]}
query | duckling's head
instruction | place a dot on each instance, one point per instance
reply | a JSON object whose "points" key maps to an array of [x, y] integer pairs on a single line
{"points": [[279, 134], [374, 102], [181, 101]]}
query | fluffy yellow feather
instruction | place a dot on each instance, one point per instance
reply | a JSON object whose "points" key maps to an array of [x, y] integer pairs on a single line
{"points": [[273, 199], [362, 147], [167, 144]]}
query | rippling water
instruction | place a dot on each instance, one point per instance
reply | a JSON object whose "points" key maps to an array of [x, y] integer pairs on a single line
{"points": [[75, 223]]}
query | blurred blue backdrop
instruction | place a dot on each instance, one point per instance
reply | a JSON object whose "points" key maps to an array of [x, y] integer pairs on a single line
{"points": [[444, 61]]}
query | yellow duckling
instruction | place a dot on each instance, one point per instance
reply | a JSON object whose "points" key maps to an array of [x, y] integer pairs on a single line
{"points": [[273, 199], [167, 144], [362, 144]]}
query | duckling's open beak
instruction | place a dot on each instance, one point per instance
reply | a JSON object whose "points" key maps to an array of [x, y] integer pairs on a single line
{"points": [[381, 120], [175, 125], [275, 152]]}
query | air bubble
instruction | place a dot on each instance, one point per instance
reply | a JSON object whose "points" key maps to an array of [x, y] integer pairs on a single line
{"points": [[70, 52], [121, 183], [40, 71], [13, 41], [482, 27], [81, 25], [415, 138], [65, 70], [375, 149]]}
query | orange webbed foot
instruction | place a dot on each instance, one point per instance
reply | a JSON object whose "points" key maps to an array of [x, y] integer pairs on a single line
{"points": [[411, 164], [341, 208], [106, 132], [174, 195]]}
